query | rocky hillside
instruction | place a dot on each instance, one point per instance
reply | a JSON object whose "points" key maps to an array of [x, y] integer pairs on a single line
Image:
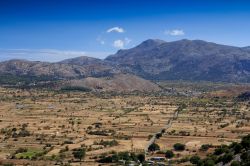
{"points": [[63, 70], [118, 82], [192, 60], [83, 72]]}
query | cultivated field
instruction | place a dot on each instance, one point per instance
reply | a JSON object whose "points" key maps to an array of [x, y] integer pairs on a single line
{"points": [[45, 127]]}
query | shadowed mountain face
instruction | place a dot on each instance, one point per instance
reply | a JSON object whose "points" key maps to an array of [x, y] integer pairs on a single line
{"points": [[193, 60], [247, 48]]}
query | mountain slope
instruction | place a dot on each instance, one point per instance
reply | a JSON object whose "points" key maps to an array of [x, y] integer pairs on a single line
{"points": [[185, 60], [118, 82], [193, 60], [247, 48], [64, 69], [83, 72], [94, 66]]}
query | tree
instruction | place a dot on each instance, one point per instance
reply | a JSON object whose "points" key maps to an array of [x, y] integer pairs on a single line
{"points": [[158, 135], [235, 163], [245, 142], [221, 150], [245, 157], [141, 157], [209, 163], [153, 147], [238, 148], [169, 154], [79, 153], [205, 147], [195, 159], [179, 147]]}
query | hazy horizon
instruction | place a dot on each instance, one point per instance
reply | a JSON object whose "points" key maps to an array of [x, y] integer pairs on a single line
{"points": [[58, 55]]}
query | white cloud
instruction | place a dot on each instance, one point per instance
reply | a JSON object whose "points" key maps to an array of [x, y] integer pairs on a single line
{"points": [[116, 29], [119, 44], [175, 32]]}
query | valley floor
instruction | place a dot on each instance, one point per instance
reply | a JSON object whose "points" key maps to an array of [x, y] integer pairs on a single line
{"points": [[41, 127]]}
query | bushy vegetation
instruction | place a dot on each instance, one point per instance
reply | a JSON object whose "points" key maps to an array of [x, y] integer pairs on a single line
{"points": [[225, 154], [24, 153], [75, 88], [205, 147], [125, 156], [179, 147], [195, 159], [9, 79], [79, 153], [169, 154], [153, 147], [102, 132], [107, 143]]}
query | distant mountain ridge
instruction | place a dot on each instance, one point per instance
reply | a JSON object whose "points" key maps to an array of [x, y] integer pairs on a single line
{"points": [[153, 59], [66, 69], [193, 60]]}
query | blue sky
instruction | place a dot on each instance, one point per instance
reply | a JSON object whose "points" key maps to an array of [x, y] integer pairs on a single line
{"points": [[52, 30]]}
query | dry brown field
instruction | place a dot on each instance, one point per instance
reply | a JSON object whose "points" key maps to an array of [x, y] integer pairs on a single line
{"points": [[51, 124]]}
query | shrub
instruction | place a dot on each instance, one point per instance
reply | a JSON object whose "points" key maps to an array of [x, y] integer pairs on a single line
{"points": [[235, 163], [68, 142], [107, 143], [79, 153], [221, 150], [179, 147], [245, 142], [150, 136], [209, 163], [24, 133], [169, 154], [158, 135], [75, 88], [245, 157], [141, 157], [153, 147], [115, 157], [237, 148], [108, 159], [195, 159], [205, 147], [21, 150], [227, 158]]}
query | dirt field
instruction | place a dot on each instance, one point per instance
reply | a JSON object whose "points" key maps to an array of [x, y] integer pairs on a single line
{"points": [[51, 124]]}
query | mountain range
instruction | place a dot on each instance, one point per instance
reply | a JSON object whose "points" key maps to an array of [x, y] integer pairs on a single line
{"points": [[153, 59], [193, 60]]}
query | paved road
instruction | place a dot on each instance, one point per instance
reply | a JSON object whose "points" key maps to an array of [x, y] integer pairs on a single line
{"points": [[166, 127]]}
